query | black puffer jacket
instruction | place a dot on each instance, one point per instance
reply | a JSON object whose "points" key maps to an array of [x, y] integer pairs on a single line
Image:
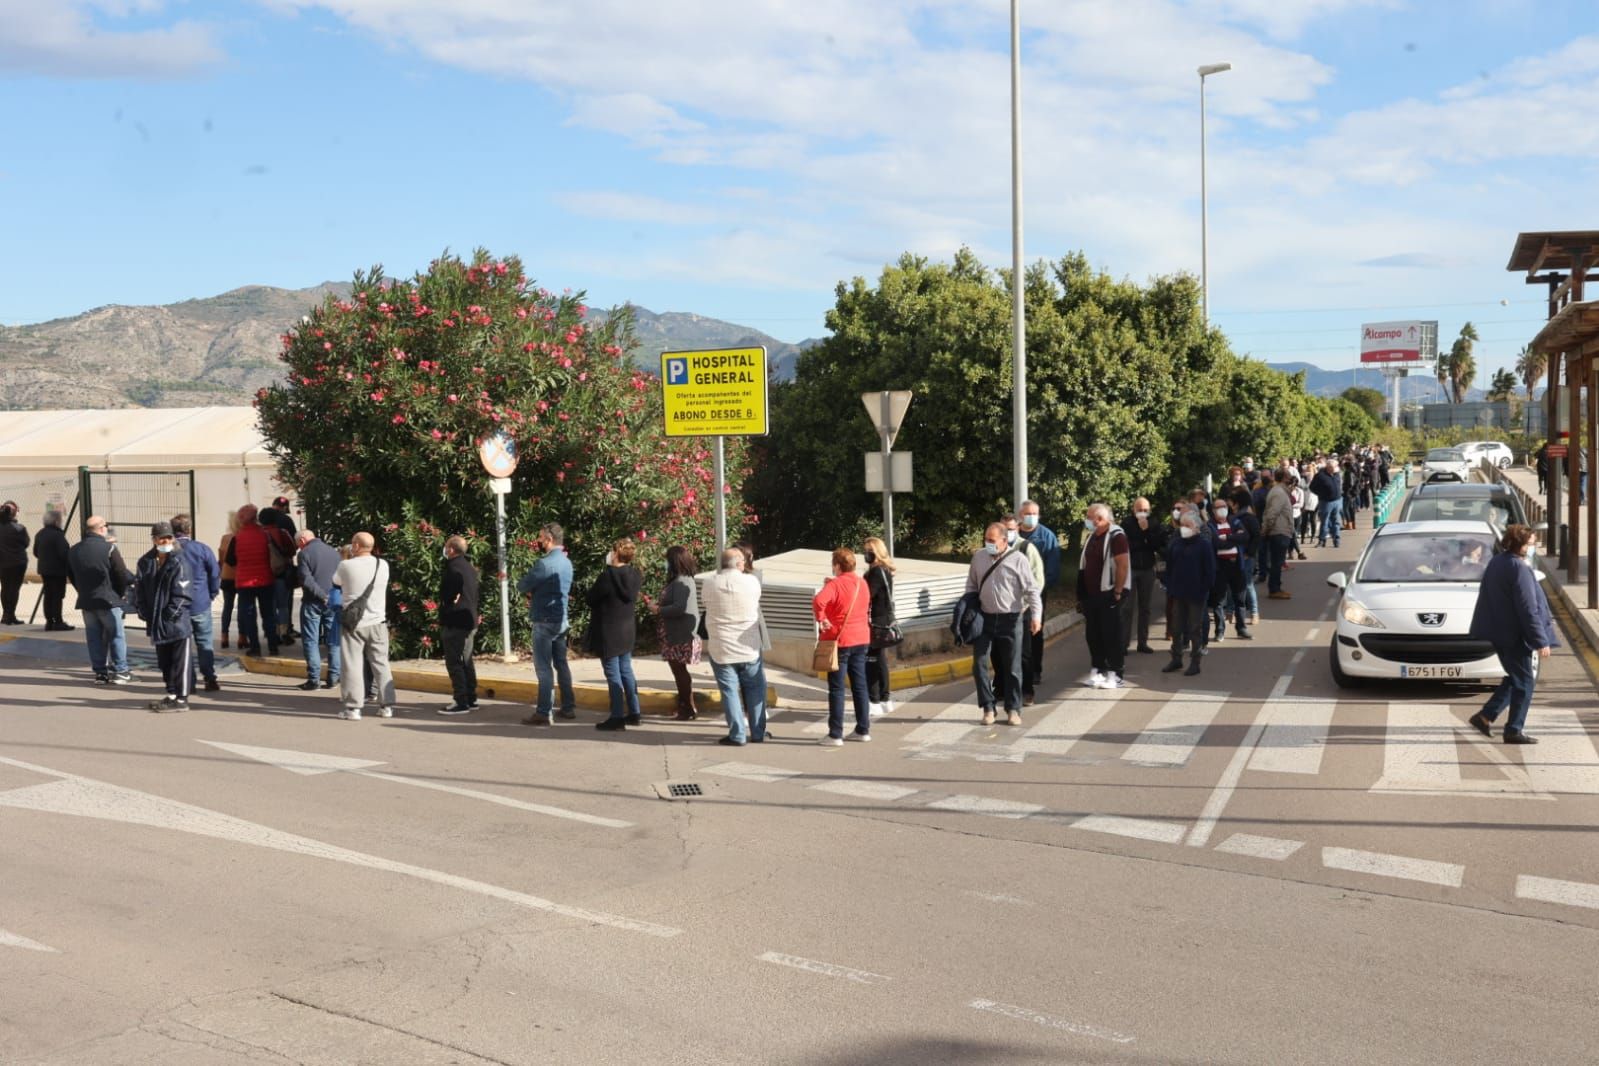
{"points": [[98, 573], [165, 593], [613, 627], [13, 544]]}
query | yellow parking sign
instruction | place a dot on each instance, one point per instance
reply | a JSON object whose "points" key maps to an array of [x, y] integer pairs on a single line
{"points": [[719, 392]]}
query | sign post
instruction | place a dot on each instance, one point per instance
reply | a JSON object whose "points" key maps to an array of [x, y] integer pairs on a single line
{"points": [[716, 393], [498, 453], [1395, 347], [887, 411]]}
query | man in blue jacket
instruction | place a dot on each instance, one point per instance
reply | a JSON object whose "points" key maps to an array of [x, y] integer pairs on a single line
{"points": [[1044, 539], [207, 576], [1514, 617], [163, 592], [548, 586]]}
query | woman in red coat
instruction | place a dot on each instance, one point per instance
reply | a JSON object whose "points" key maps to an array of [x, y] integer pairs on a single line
{"points": [[842, 610]]}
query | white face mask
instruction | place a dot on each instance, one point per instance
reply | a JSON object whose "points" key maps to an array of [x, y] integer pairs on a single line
{"points": [[1030, 521], [166, 549], [610, 557], [1188, 531], [1141, 515], [446, 553], [1088, 524], [1010, 536], [1176, 516], [1221, 512]]}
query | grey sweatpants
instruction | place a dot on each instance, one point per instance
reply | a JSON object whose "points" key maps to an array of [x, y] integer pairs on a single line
{"points": [[369, 644]]}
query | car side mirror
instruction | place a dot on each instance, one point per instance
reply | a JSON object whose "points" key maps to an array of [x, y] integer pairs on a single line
{"points": [[1339, 580]]}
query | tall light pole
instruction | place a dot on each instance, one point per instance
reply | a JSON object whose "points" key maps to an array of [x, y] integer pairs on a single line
{"points": [[1204, 217], [1018, 311]]}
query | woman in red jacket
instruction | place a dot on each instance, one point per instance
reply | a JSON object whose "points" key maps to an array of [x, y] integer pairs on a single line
{"points": [[842, 608]]}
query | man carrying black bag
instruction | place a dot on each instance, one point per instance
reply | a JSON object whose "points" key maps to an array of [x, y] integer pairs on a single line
{"points": [[1005, 587]]}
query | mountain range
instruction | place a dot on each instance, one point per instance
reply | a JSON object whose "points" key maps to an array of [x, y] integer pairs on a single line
{"points": [[220, 349]]}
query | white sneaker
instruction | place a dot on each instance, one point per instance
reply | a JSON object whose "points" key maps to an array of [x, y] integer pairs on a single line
{"points": [[888, 706], [386, 712], [831, 742], [351, 716], [1093, 679], [1112, 681], [1102, 680], [874, 710], [857, 735]]}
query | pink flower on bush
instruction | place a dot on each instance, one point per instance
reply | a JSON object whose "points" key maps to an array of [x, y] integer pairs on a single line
{"points": [[437, 435], [398, 419]]}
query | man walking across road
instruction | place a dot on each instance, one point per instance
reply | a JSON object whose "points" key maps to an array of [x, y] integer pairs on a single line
{"points": [[1328, 485], [320, 602], [364, 628], [1146, 539], [1040, 536], [1277, 526], [50, 552], [548, 588], [731, 603], [1104, 574], [458, 593], [206, 576], [1514, 617], [164, 594], [1005, 586], [102, 579]]}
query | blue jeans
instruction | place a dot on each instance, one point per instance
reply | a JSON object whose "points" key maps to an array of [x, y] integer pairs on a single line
{"points": [[1515, 690], [549, 662], [1277, 547], [622, 684], [204, 660], [851, 664], [283, 601], [743, 688], [1332, 520], [319, 624], [1251, 594], [100, 626], [252, 601]]}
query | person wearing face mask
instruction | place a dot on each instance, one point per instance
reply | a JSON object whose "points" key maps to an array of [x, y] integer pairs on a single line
{"points": [[613, 630], [1251, 475], [677, 616], [1277, 526], [1006, 589], [1041, 537], [1512, 615], [1230, 538], [163, 590], [880, 583], [1169, 529], [547, 588], [458, 595], [1190, 577], [320, 600], [1146, 539], [1032, 643], [1328, 486], [1104, 574]]}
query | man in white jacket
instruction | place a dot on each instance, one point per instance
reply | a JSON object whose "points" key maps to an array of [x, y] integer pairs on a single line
{"points": [[731, 602]]}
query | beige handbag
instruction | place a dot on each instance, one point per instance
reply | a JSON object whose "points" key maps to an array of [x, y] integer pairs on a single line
{"points": [[824, 660]]}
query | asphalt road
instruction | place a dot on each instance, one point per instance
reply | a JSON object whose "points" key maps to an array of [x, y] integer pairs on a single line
{"points": [[1250, 866]]}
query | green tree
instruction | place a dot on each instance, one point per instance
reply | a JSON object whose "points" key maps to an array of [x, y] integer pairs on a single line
{"points": [[387, 392], [1462, 367], [1502, 386], [1371, 401]]}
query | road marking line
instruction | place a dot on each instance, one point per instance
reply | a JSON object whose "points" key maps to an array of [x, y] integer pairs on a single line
{"points": [[87, 798], [1022, 1014], [1139, 828], [902, 698], [1375, 862], [1175, 731], [504, 801], [1072, 719], [994, 808], [1420, 756], [306, 763], [996, 897], [9, 939], [1564, 760], [1257, 847], [871, 790], [749, 771], [826, 969], [1549, 890], [1295, 735], [947, 726], [1315, 632], [1205, 825]]}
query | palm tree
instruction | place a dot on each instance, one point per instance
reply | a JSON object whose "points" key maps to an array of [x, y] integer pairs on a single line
{"points": [[1503, 385], [1441, 369], [1462, 366], [1530, 367]]}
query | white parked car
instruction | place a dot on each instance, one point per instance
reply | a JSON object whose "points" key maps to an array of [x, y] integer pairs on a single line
{"points": [[1495, 451], [1452, 463], [1406, 607]]}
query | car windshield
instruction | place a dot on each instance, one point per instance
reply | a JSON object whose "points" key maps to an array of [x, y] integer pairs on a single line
{"points": [[1423, 557], [1446, 509], [1444, 454]]}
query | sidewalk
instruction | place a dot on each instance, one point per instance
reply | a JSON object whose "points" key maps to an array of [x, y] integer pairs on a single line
{"points": [[1573, 596]]}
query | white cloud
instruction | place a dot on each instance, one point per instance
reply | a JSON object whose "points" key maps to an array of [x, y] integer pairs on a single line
{"points": [[630, 207], [68, 38]]}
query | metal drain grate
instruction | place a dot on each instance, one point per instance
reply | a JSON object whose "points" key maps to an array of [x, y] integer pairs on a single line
{"points": [[680, 790]]}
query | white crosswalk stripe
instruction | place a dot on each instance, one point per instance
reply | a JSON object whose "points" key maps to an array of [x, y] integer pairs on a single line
{"points": [[1421, 755], [1073, 718], [1176, 729], [1295, 736], [1565, 759]]}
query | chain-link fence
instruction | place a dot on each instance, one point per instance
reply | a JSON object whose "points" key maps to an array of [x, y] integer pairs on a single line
{"points": [[131, 501]]}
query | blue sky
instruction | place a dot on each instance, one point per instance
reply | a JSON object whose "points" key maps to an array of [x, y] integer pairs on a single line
{"points": [[1369, 159]]}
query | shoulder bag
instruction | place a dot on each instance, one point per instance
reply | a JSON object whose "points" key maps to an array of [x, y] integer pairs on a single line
{"points": [[967, 623], [824, 660], [888, 634], [351, 613]]}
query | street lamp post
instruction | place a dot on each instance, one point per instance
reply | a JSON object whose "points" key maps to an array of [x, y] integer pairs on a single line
{"points": [[1018, 311], [1204, 219]]}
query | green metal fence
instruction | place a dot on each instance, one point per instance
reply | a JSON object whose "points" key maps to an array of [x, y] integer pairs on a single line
{"points": [[1390, 497]]}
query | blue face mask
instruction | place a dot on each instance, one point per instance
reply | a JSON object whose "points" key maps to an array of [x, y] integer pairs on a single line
{"points": [[1029, 521], [991, 548]]}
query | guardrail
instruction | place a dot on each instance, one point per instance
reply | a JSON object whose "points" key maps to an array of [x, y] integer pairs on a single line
{"points": [[1389, 497], [1531, 505]]}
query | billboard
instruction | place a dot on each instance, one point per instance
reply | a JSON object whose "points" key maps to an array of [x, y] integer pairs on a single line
{"points": [[1401, 343]]}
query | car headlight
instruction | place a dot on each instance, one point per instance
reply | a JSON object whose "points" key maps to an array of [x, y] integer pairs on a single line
{"points": [[1355, 613]]}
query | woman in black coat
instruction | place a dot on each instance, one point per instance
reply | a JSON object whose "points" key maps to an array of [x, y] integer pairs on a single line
{"points": [[613, 630], [50, 553], [14, 543]]}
